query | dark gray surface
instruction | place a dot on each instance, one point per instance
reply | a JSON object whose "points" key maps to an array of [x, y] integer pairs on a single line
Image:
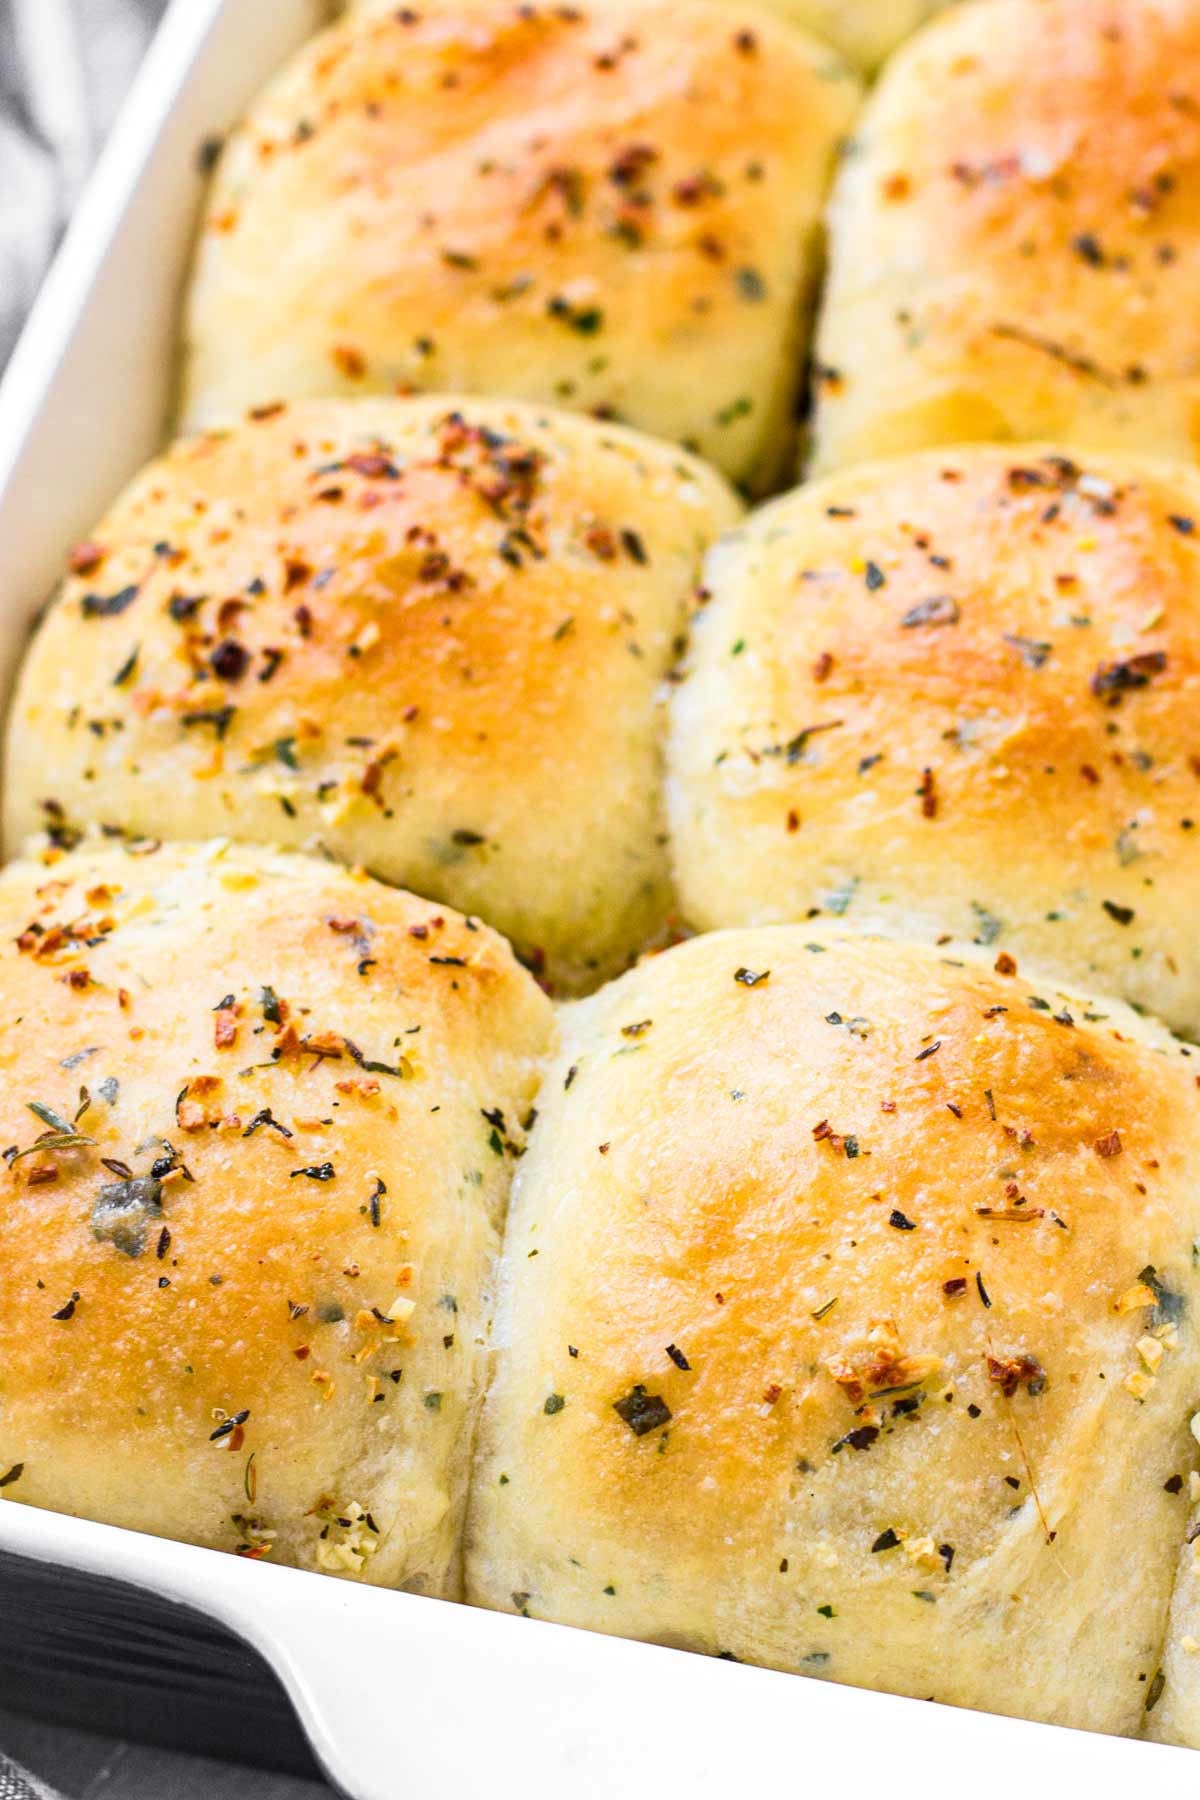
{"points": [[65, 66], [86, 1767]]}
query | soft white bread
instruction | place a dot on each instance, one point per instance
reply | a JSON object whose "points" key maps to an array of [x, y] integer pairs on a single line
{"points": [[424, 636], [613, 207], [839, 1279], [1016, 239], [954, 697], [1174, 1717], [866, 31], [260, 1117]]}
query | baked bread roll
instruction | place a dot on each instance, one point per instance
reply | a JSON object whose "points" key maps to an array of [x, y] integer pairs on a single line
{"points": [[424, 636], [866, 31], [953, 697], [612, 207], [840, 1279], [261, 1116], [1014, 243]]}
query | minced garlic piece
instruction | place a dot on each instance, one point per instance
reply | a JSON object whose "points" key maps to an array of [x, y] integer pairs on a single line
{"points": [[1151, 1352], [400, 1311], [1138, 1383], [1134, 1297], [356, 1542]]}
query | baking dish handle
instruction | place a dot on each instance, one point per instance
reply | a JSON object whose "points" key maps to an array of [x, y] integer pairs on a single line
{"points": [[401, 1695]]}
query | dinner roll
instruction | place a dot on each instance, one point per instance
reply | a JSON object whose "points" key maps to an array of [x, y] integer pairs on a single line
{"points": [[427, 636], [864, 30], [954, 698], [1016, 240], [847, 1326], [611, 207], [260, 1117]]}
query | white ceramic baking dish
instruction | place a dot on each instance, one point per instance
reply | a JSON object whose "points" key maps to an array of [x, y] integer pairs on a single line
{"points": [[398, 1694]]}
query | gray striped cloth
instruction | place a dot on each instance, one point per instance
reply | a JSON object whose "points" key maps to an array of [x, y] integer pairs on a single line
{"points": [[65, 67], [15, 1784]]}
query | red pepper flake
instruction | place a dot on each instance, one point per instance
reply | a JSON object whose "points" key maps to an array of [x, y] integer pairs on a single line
{"points": [[927, 793], [349, 362], [1111, 680], [1005, 964], [189, 1115], [372, 467], [1109, 1144], [1011, 1372], [86, 558], [225, 1027]]}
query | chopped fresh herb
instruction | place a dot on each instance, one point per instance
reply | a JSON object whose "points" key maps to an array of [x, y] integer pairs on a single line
{"points": [[861, 1438], [228, 1426], [642, 1412], [122, 1212], [107, 606], [939, 609]]}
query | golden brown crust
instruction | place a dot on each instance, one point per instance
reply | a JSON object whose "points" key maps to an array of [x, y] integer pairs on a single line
{"points": [[954, 697], [1015, 243], [614, 210], [281, 1189], [425, 635], [858, 1272]]}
